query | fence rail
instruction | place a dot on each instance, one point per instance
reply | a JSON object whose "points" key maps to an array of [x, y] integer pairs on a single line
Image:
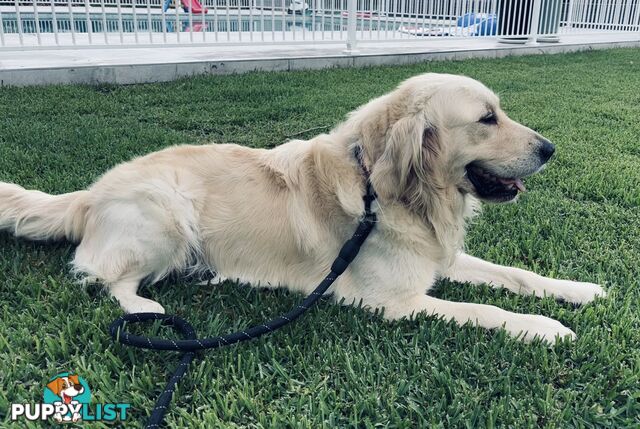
{"points": [[100, 23]]}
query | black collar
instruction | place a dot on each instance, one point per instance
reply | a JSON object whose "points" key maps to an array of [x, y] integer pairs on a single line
{"points": [[357, 153], [370, 194]]}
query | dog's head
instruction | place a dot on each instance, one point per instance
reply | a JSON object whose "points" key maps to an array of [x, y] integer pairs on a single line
{"points": [[66, 387], [439, 135]]}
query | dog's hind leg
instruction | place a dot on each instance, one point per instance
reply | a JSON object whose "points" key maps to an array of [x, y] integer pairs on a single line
{"points": [[125, 292], [121, 265], [128, 241]]}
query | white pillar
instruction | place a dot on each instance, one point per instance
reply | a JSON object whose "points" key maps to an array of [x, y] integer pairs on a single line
{"points": [[351, 27], [535, 23], [570, 15]]}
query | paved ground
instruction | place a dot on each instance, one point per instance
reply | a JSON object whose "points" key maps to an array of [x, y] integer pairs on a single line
{"points": [[157, 63]]}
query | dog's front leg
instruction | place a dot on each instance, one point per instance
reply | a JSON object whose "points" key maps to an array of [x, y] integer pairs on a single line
{"points": [[473, 270], [529, 326]]}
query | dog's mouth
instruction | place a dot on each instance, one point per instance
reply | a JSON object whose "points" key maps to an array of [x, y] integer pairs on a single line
{"points": [[492, 187]]}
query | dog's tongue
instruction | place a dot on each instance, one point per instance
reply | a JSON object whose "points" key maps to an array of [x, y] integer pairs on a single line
{"points": [[66, 399], [516, 182]]}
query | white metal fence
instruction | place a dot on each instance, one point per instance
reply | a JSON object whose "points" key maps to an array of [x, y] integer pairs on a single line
{"points": [[100, 23]]}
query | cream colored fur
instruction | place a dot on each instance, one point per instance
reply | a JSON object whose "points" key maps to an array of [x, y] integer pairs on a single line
{"points": [[278, 217]]}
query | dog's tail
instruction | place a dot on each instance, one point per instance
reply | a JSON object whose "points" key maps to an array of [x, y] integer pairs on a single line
{"points": [[40, 216]]}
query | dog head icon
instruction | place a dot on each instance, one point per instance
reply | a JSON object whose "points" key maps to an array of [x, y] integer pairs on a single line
{"points": [[66, 387]]}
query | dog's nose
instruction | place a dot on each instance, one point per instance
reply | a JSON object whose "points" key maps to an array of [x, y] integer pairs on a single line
{"points": [[546, 150]]}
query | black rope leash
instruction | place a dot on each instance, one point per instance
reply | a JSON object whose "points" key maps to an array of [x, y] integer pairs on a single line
{"points": [[191, 344]]}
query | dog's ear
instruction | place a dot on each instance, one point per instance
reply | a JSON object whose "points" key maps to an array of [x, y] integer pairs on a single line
{"points": [[55, 386], [411, 149], [74, 379], [431, 148]]}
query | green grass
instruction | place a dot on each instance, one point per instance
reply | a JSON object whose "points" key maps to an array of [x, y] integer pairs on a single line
{"points": [[342, 366]]}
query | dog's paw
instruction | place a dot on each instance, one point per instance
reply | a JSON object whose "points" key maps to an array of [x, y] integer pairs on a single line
{"points": [[529, 327], [216, 279], [579, 292], [141, 305]]}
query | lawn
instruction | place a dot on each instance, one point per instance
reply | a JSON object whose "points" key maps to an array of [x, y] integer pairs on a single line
{"points": [[342, 366]]}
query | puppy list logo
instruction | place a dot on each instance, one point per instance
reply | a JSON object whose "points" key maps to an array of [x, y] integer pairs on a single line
{"points": [[67, 399]]}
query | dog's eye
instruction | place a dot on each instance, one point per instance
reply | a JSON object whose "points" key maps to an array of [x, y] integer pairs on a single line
{"points": [[489, 119]]}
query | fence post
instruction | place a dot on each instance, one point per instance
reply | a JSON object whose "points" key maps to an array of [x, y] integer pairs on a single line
{"points": [[351, 27], [636, 19], [570, 15], [535, 23]]}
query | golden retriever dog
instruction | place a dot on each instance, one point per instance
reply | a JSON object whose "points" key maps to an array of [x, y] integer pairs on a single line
{"points": [[435, 147]]}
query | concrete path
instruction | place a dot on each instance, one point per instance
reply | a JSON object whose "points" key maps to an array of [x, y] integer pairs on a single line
{"points": [[158, 64]]}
